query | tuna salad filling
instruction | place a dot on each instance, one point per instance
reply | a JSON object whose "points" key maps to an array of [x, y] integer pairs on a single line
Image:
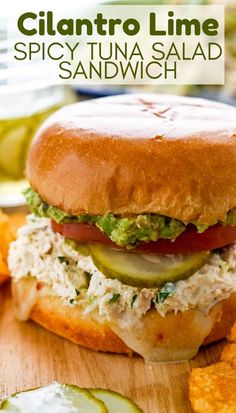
{"points": [[71, 274]]}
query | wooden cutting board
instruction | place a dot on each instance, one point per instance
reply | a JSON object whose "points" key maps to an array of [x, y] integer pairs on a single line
{"points": [[31, 357]]}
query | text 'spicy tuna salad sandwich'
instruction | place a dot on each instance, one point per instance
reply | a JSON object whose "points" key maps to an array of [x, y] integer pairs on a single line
{"points": [[131, 245]]}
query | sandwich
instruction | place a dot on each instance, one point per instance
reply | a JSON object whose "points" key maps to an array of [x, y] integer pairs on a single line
{"points": [[131, 244]]}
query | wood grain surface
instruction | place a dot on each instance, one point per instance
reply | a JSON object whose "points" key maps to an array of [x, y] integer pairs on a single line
{"points": [[31, 357]]}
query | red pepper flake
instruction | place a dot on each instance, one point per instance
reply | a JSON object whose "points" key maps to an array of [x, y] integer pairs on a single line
{"points": [[39, 286]]}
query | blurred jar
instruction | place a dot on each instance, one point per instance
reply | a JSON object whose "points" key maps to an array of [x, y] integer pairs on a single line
{"points": [[28, 95], [21, 114]]}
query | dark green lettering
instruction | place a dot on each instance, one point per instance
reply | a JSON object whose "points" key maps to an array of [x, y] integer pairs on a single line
{"points": [[210, 27], [128, 30], [21, 23]]}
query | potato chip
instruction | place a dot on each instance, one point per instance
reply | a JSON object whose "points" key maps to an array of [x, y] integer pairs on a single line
{"points": [[6, 235], [232, 336], [229, 354], [8, 232], [4, 273], [17, 220], [213, 389], [3, 266]]}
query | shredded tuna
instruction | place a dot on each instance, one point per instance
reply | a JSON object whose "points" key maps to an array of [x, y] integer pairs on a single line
{"points": [[44, 254]]}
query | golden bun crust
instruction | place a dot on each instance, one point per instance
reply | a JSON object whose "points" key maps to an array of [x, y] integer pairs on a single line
{"points": [[225, 321], [68, 322], [133, 154], [32, 302]]}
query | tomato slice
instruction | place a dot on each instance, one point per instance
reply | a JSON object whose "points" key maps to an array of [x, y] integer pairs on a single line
{"points": [[83, 233], [189, 241]]}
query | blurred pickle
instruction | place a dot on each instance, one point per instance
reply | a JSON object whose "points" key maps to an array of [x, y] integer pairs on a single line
{"points": [[15, 138], [16, 134]]}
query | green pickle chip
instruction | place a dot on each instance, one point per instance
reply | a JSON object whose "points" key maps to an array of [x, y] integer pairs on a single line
{"points": [[56, 398], [145, 270], [68, 398], [115, 402], [15, 138]]}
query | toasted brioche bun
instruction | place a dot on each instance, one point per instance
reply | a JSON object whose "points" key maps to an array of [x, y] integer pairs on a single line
{"points": [[66, 321], [69, 322], [135, 154]]}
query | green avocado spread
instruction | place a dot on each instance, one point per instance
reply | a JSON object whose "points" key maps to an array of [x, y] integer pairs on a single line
{"points": [[124, 231]]}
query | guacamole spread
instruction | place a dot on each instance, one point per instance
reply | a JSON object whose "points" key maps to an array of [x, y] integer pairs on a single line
{"points": [[124, 231]]}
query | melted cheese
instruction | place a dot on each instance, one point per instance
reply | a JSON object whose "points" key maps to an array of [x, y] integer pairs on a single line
{"points": [[26, 296], [176, 337]]}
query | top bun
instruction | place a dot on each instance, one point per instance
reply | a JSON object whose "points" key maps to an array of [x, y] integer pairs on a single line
{"points": [[134, 154]]}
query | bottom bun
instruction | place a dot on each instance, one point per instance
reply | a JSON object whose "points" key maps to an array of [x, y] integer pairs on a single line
{"points": [[31, 301]]}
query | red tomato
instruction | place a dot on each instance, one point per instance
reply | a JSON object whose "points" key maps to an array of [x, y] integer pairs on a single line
{"points": [[82, 232], [190, 240]]}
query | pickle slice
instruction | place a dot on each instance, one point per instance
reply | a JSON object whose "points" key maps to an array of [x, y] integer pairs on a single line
{"points": [[12, 148], [115, 402], [145, 270], [56, 397]]}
